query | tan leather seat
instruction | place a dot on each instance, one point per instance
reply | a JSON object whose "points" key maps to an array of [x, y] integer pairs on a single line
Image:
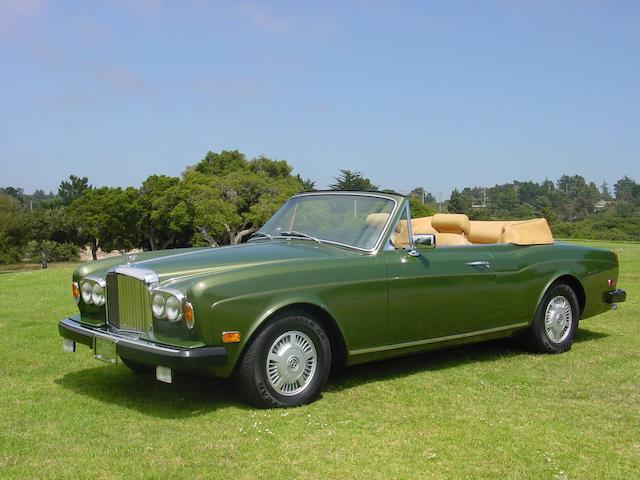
{"points": [[485, 232], [422, 225], [457, 229], [400, 237], [377, 220], [452, 229]]}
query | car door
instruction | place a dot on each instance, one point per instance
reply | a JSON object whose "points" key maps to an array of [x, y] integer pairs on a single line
{"points": [[441, 292]]}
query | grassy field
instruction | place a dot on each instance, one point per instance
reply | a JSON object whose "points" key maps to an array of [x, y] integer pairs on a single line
{"points": [[483, 411]]}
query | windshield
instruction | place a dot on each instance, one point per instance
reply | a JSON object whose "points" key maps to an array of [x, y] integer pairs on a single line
{"points": [[354, 220]]}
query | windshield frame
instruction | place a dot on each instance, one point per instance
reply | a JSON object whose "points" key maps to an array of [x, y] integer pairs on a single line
{"points": [[345, 193]]}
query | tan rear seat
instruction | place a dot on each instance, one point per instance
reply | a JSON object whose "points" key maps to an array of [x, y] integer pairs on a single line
{"points": [[422, 225], [457, 229], [485, 232], [452, 229]]}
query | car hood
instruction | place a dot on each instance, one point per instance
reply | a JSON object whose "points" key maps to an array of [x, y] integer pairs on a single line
{"points": [[177, 267]]}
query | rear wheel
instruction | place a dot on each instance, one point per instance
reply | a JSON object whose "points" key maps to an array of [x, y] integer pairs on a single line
{"points": [[555, 322], [286, 364]]}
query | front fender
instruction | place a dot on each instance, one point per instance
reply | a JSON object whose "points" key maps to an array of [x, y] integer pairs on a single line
{"points": [[247, 314]]}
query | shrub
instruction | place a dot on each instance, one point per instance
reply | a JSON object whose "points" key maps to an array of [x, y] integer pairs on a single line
{"points": [[600, 227], [55, 252]]}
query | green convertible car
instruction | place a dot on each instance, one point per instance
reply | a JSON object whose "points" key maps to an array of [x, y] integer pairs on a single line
{"points": [[336, 278]]}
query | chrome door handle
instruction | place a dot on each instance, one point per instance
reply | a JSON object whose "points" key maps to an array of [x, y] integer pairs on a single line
{"points": [[479, 264]]}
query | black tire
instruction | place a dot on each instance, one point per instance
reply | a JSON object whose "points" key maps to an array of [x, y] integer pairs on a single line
{"points": [[538, 338], [137, 367], [256, 386]]}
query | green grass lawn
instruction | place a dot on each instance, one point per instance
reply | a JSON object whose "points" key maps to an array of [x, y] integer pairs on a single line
{"points": [[483, 411]]}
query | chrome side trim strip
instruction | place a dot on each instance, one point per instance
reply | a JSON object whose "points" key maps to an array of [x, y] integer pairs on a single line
{"points": [[417, 343]]}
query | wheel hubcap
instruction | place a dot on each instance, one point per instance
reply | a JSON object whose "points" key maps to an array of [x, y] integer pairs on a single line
{"points": [[291, 363], [558, 319]]}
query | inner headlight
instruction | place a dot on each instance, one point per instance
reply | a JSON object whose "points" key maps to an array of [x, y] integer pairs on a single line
{"points": [[86, 292], [157, 305], [172, 307], [97, 294]]}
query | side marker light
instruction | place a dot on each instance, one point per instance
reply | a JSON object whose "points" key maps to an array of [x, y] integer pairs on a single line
{"points": [[230, 337]]}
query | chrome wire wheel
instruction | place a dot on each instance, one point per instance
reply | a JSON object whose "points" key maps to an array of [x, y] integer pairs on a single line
{"points": [[558, 319], [292, 361]]}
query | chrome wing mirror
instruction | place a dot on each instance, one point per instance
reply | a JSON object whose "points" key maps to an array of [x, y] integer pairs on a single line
{"points": [[422, 241]]}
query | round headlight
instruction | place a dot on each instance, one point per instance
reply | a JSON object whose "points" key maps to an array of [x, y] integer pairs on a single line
{"points": [[86, 292], [172, 306], [97, 294], [157, 305]]}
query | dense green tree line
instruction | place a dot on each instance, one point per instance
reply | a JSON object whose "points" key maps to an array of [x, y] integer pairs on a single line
{"points": [[221, 200], [226, 197]]}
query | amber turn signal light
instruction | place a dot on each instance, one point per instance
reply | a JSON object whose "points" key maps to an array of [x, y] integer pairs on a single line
{"points": [[75, 290], [230, 337], [188, 315]]}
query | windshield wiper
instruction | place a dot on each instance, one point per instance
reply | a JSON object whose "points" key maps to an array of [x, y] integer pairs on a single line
{"points": [[261, 235], [293, 233]]}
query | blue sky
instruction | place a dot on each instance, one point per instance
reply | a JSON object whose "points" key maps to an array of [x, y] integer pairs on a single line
{"points": [[439, 94]]}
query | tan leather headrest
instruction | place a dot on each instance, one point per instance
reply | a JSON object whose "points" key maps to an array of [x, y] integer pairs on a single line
{"points": [[377, 220], [451, 223]]}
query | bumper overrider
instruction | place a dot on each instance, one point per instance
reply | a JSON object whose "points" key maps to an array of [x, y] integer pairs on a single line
{"points": [[616, 296], [143, 351]]}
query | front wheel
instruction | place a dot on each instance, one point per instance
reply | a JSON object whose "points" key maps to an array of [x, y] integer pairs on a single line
{"points": [[286, 364], [555, 322]]}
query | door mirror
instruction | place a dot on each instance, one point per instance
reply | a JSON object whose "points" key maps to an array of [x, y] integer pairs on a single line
{"points": [[424, 241]]}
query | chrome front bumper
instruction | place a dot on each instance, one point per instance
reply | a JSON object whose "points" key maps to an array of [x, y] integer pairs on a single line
{"points": [[145, 352]]}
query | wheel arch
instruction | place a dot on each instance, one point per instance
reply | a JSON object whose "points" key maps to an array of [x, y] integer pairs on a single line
{"points": [[573, 282], [326, 320]]}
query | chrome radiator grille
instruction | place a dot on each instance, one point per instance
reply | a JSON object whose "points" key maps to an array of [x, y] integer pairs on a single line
{"points": [[128, 303]]}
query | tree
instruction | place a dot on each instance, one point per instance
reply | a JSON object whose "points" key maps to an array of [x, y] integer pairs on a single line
{"points": [[12, 229], [107, 218], [156, 201], [348, 180], [226, 198], [40, 195], [273, 168], [544, 209], [458, 203], [307, 184], [504, 201], [626, 189], [73, 188], [529, 191], [580, 196], [604, 191], [419, 209], [422, 195], [222, 163], [15, 192], [47, 229]]}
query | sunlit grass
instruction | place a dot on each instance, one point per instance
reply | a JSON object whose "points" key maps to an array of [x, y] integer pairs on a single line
{"points": [[482, 411]]}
